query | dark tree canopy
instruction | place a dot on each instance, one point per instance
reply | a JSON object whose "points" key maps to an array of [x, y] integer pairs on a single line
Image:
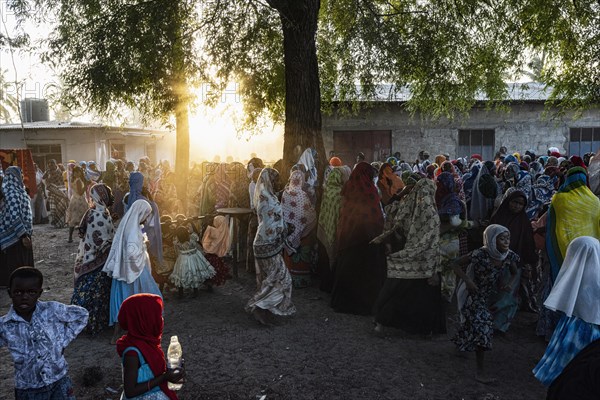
{"points": [[296, 58]]}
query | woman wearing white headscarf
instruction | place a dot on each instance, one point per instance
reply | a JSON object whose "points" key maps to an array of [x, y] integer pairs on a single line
{"points": [[128, 262], [485, 266], [575, 292], [274, 295]]}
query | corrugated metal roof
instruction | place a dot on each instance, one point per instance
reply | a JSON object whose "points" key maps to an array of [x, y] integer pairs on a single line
{"points": [[517, 91], [125, 131]]}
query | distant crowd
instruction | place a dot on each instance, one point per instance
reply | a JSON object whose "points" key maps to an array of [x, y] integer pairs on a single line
{"points": [[396, 240]]}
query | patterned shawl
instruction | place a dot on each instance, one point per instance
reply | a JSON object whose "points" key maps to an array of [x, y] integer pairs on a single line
{"points": [[574, 212], [543, 190], [97, 230], [417, 221], [271, 230], [15, 208], [330, 212], [297, 211], [361, 217]]}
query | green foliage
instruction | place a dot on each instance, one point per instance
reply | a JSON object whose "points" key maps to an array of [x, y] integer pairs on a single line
{"points": [[446, 52], [9, 106], [114, 52]]}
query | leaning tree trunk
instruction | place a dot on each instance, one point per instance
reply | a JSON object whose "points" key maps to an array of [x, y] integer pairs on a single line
{"points": [[182, 152], [302, 92]]}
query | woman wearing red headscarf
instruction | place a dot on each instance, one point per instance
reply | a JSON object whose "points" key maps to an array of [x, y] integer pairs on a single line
{"points": [[145, 372], [360, 269]]}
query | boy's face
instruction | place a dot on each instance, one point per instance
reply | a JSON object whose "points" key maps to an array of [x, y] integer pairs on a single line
{"points": [[25, 293]]}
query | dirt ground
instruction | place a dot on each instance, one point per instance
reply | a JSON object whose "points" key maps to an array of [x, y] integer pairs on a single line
{"points": [[317, 354]]}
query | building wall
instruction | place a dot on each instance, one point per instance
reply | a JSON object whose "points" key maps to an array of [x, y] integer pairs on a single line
{"points": [[524, 126], [88, 144]]}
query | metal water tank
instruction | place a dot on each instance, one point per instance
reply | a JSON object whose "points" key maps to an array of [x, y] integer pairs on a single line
{"points": [[33, 110]]}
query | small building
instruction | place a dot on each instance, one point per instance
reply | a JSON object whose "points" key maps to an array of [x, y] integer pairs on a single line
{"points": [[83, 141], [525, 123]]}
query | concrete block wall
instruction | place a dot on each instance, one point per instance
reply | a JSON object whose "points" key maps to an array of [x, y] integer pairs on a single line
{"points": [[524, 126]]}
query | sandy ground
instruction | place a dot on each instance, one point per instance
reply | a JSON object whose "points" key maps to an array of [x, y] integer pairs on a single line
{"points": [[317, 354]]}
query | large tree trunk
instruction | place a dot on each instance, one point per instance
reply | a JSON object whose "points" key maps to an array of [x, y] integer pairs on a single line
{"points": [[182, 152], [302, 92]]}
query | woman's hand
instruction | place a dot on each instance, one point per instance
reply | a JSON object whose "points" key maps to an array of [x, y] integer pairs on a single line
{"points": [[175, 375]]}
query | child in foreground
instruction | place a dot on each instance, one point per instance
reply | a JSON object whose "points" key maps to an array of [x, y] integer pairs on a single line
{"points": [[485, 267], [36, 333], [145, 373]]}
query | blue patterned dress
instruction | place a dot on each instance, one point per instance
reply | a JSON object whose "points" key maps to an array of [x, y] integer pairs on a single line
{"points": [[571, 335], [477, 328]]}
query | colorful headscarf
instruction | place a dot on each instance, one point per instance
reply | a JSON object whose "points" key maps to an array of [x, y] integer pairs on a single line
{"points": [[388, 182], [141, 316], [574, 212]]}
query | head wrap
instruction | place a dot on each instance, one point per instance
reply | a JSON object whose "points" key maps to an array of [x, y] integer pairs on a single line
{"points": [[141, 316], [128, 257], [490, 235], [335, 162], [577, 286], [216, 237]]}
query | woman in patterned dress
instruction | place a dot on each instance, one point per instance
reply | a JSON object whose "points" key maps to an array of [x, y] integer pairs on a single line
{"points": [[411, 298], [483, 272], [92, 285], [274, 295]]}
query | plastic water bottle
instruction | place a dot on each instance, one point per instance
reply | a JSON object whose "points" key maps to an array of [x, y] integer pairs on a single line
{"points": [[174, 354]]}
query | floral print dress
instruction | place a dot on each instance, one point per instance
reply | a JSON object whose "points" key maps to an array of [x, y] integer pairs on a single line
{"points": [[477, 329]]}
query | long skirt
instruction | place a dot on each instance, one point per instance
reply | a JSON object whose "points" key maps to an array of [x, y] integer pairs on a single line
{"points": [[120, 290], [92, 292], [412, 305], [12, 258], [275, 291], [359, 276], [300, 263]]}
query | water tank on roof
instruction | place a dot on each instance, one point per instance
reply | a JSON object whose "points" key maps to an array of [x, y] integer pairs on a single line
{"points": [[33, 110]]}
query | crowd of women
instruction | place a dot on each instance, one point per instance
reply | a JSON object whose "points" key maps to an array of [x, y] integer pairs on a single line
{"points": [[394, 240]]}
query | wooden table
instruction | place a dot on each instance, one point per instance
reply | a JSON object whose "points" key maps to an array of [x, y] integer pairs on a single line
{"points": [[235, 213]]}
